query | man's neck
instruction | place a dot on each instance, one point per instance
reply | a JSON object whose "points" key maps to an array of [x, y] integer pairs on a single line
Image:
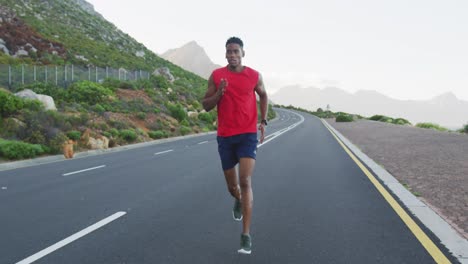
{"points": [[237, 68]]}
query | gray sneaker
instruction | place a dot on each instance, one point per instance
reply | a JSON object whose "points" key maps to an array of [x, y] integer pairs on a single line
{"points": [[246, 244], [237, 210]]}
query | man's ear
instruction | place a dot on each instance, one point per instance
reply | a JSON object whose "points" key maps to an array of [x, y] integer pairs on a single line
{"points": [[243, 52]]}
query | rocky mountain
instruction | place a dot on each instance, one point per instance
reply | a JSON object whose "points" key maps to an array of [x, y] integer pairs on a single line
{"points": [[61, 32], [446, 110], [191, 57]]}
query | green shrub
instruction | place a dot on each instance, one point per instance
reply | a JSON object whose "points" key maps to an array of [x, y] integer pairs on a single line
{"points": [[107, 134], [401, 121], [158, 134], [159, 81], [74, 135], [185, 130], [376, 117], [9, 104], [207, 117], [56, 142], [111, 83], [114, 132], [13, 150], [344, 118], [34, 105], [99, 108], [58, 93], [465, 129], [431, 126], [126, 85], [381, 118], [177, 111], [141, 115], [128, 135], [185, 123], [36, 137], [88, 92]]}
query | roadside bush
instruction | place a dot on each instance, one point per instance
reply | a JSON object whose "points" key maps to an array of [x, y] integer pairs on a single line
{"points": [[56, 142], [13, 150], [344, 118], [74, 135], [465, 129], [128, 135], [381, 118], [185, 130], [36, 137], [401, 121], [207, 117], [431, 126], [114, 132], [158, 134]]}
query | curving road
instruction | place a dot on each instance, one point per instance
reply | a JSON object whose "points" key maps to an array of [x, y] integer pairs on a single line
{"points": [[168, 203]]}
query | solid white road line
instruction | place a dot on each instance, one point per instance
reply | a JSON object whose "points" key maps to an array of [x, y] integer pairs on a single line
{"points": [[203, 142], [282, 131], [71, 238], [162, 152], [75, 172]]}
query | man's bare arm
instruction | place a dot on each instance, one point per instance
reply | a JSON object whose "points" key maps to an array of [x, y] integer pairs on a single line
{"points": [[262, 94], [212, 96]]}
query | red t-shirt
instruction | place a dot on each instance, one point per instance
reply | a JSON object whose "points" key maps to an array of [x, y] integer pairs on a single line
{"points": [[237, 109]]}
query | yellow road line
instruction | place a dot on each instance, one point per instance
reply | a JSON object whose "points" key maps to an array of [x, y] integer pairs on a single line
{"points": [[427, 243]]}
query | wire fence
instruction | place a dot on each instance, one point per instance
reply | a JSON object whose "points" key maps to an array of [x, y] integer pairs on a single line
{"points": [[14, 76]]}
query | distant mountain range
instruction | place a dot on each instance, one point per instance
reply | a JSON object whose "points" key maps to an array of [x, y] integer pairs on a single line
{"points": [[191, 57], [446, 109]]}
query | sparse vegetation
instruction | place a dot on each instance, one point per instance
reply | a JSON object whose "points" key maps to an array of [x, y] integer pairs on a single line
{"points": [[343, 117], [431, 126]]}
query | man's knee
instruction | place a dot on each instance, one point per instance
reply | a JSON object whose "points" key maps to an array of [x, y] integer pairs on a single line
{"points": [[245, 183], [233, 189]]}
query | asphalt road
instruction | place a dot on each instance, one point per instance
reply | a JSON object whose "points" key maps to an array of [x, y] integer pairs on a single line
{"points": [[168, 203]]}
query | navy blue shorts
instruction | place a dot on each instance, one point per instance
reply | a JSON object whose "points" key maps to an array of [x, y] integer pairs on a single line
{"points": [[232, 148]]}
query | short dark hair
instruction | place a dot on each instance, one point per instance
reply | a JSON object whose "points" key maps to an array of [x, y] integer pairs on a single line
{"points": [[235, 40]]}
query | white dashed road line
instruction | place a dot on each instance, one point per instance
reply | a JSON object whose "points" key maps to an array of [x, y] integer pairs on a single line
{"points": [[75, 172], [71, 238], [162, 152]]}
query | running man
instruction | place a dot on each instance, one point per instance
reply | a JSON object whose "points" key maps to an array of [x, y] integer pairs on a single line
{"points": [[232, 90]]}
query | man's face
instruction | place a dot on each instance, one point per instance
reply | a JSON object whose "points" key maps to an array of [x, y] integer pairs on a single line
{"points": [[234, 54]]}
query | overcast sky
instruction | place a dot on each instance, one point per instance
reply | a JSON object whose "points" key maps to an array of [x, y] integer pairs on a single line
{"points": [[404, 49]]}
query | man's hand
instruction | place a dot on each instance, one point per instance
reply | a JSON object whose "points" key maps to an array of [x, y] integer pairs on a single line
{"points": [[261, 127], [221, 88]]}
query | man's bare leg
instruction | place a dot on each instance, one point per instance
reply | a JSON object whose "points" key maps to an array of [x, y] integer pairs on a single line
{"points": [[246, 167], [232, 183]]}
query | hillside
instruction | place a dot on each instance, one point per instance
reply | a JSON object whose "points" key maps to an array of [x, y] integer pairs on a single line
{"points": [[109, 113]]}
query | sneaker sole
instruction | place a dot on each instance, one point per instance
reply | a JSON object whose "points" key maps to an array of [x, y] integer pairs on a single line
{"points": [[243, 251], [236, 219]]}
